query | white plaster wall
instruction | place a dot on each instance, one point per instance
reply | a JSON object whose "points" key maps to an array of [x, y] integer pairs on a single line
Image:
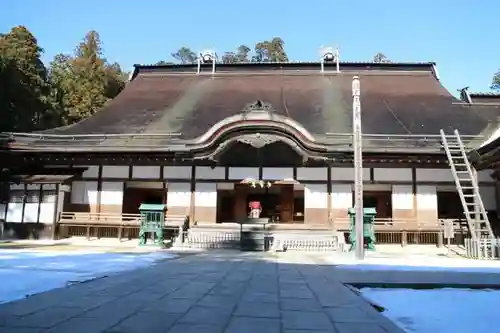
{"points": [[483, 176], [488, 195], [225, 186], [341, 196], [148, 185], [91, 172], [426, 197], [17, 187], [348, 174], [446, 188], [115, 171], [376, 187], [392, 174], [402, 197], [14, 212], [146, 172], [112, 193], [84, 192], [48, 204], [2, 211], [315, 196], [312, 174], [31, 212], [32, 203], [177, 172], [178, 195], [434, 175], [243, 173], [205, 195], [277, 173], [204, 172]]}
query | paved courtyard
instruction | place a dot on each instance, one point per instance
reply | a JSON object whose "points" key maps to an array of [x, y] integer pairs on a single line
{"points": [[213, 292]]}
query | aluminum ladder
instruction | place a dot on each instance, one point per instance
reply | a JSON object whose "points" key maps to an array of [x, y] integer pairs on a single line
{"points": [[467, 186]]}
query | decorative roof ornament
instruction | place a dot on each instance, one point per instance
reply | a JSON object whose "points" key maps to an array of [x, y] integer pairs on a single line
{"points": [[256, 182], [207, 57], [258, 140], [329, 55], [258, 106]]}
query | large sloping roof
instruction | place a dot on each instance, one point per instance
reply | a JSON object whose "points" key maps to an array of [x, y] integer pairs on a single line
{"points": [[397, 99]]}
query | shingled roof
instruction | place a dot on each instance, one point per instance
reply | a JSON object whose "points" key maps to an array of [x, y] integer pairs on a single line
{"points": [[397, 99], [487, 97]]}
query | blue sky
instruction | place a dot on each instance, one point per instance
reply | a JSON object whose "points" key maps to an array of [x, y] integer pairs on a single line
{"points": [[460, 35]]}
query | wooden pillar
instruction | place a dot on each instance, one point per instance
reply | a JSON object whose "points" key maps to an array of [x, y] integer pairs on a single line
{"points": [[286, 203], [240, 202]]}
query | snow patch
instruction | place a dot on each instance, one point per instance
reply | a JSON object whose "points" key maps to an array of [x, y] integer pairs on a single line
{"points": [[25, 273], [438, 310]]}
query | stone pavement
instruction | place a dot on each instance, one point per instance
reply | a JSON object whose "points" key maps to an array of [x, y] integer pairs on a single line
{"points": [[213, 292]]}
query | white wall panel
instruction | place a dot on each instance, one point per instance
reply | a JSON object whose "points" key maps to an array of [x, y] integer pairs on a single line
{"points": [[204, 172], [84, 192], [488, 195], [2, 211], [277, 173], [348, 174], [341, 196], [315, 196], [178, 195], [376, 187], [3, 207], [392, 174], [146, 172], [402, 197], [31, 212], [91, 172], [434, 175], [147, 185], [115, 171], [112, 193], [225, 186], [15, 212], [312, 174], [205, 195], [177, 172], [483, 176], [48, 204], [243, 173], [426, 197]]}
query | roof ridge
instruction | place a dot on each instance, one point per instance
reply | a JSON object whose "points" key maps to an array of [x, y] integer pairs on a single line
{"points": [[356, 62], [487, 93]]}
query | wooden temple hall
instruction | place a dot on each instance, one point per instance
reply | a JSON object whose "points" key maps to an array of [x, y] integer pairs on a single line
{"points": [[206, 139]]}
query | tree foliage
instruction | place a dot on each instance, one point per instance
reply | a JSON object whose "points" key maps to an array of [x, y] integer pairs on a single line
{"points": [[265, 51], [184, 55], [495, 83], [240, 56], [83, 82], [23, 82], [380, 58], [73, 87], [270, 51]]}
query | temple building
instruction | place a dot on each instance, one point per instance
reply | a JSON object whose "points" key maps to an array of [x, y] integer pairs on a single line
{"points": [[208, 138]]}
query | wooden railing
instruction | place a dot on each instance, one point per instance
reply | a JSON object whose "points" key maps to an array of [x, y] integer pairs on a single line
{"points": [[387, 230], [109, 224], [390, 224], [410, 231]]}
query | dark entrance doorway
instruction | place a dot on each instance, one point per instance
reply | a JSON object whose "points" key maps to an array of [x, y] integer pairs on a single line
{"points": [[133, 197]]}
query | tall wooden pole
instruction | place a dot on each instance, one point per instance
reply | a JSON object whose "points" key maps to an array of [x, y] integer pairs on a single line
{"points": [[358, 167]]}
